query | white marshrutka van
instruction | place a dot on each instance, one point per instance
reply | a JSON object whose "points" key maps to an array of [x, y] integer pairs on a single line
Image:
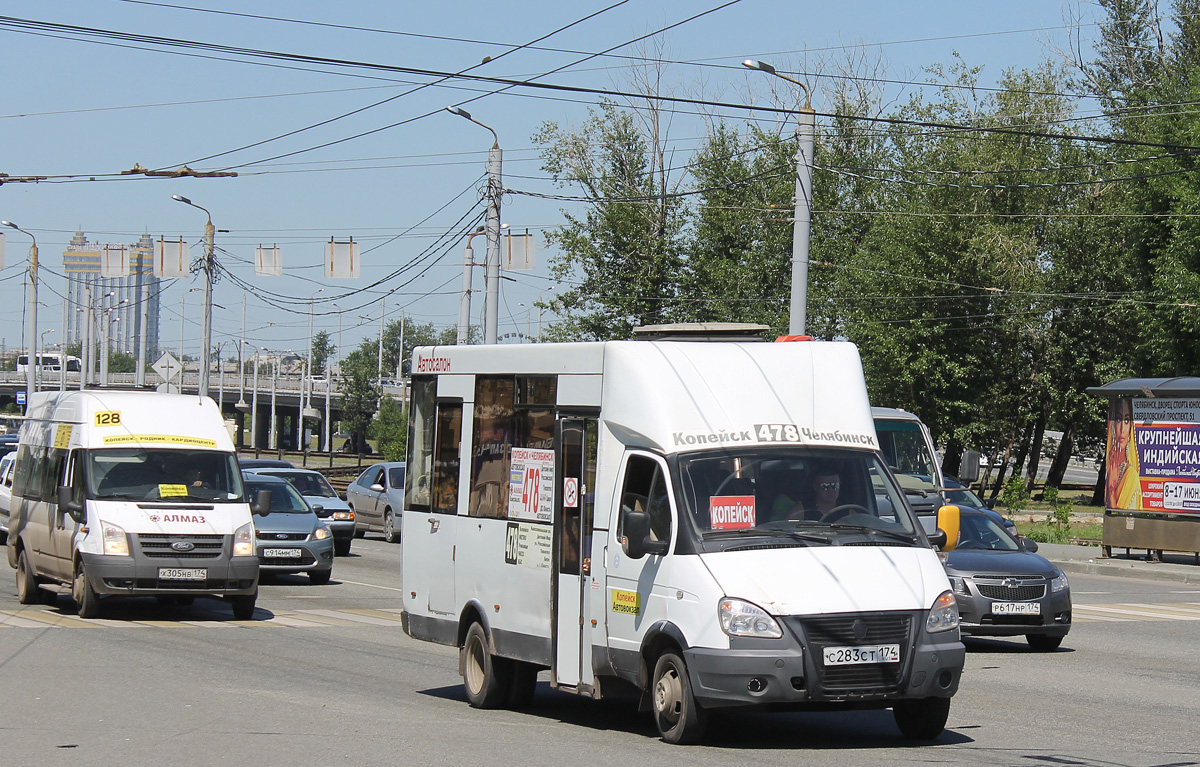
{"points": [[129, 493], [703, 525]]}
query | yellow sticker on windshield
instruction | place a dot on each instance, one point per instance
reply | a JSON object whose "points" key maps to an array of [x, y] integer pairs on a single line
{"points": [[172, 491], [629, 602]]}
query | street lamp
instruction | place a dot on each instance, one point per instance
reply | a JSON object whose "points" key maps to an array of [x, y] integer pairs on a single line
{"points": [[42, 357], [464, 301], [806, 127], [108, 321], [491, 300], [31, 330], [206, 332], [304, 384]]}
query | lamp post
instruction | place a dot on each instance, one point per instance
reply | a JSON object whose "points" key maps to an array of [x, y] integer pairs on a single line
{"points": [[806, 126], [491, 299], [42, 356], [206, 331], [305, 385], [108, 321], [464, 301], [31, 330]]}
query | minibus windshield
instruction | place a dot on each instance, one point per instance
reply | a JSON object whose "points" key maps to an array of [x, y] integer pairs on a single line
{"points": [[152, 474], [821, 493]]}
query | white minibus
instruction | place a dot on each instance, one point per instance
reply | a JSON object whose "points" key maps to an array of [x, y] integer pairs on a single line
{"points": [[129, 493], [704, 525]]}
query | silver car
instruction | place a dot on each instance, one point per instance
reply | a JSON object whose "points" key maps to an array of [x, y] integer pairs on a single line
{"points": [[377, 499], [6, 480], [290, 538], [325, 502]]}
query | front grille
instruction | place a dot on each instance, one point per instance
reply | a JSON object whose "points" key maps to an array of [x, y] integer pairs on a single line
{"points": [[838, 631], [305, 558], [1010, 620], [266, 539], [1022, 591], [159, 545], [212, 584]]}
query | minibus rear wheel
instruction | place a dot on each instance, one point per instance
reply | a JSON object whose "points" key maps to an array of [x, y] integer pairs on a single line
{"points": [[84, 595], [676, 714], [486, 678], [27, 588]]}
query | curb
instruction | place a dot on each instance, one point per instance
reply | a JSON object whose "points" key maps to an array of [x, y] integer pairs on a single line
{"points": [[1127, 569]]}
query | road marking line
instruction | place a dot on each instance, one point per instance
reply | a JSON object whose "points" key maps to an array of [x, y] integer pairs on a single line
{"points": [[287, 620], [16, 621], [53, 619], [390, 617], [348, 616], [372, 585], [1076, 618], [1140, 613]]}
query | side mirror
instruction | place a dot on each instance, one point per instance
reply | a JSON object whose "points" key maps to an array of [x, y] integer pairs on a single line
{"points": [[948, 518], [637, 543], [376, 488], [262, 503], [67, 503], [1028, 544], [320, 511], [990, 503]]}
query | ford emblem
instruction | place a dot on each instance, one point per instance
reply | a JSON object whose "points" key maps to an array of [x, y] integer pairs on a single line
{"points": [[183, 545], [281, 536]]}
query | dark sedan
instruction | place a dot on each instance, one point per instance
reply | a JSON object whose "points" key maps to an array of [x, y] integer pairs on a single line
{"points": [[1004, 588]]}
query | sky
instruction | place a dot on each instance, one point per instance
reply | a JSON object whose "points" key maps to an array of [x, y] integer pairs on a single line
{"points": [[325, 150]]}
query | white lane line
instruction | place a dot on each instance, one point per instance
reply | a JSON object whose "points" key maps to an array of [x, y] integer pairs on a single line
{"points": [[8, 619], [345, 616], [1076, 617], [1144, 613], [371, 585]]}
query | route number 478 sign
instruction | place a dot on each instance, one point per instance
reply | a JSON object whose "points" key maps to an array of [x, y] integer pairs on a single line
{"points": [[531, 484]]}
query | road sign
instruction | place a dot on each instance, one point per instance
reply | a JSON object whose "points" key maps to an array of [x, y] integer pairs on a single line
{"points": [[20, 397], [167, 366], [168, 387]]}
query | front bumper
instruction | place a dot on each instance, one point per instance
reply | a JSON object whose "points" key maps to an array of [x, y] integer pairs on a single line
{"points": [[314, 555], [791, 672], [978, 618], [139, 576]]}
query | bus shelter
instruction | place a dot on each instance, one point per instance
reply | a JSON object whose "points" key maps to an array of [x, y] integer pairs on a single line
{"points": [[1152, 465]]}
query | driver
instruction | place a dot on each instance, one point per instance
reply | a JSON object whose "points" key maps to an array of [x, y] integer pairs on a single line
{"points": [[825, 486]]}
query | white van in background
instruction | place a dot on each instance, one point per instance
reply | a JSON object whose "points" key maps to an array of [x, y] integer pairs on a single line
{"points": [[703, 524], [129, 493]]}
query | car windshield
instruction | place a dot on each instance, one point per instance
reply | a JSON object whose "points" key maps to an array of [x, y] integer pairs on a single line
{"points": [[148, 474], [903, 446], [307, 484], [980, 531], [964, 497], [284, 498], [791, 489]]}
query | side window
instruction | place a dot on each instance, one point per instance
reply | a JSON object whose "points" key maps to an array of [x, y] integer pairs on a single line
{"points": [[56, 462], [447, 451], [369, 477], [646, 490], [421, 426], [31, 466]]}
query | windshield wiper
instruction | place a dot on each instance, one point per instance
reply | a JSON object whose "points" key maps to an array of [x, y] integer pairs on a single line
{"points": [[910, 538], [769, 531]]}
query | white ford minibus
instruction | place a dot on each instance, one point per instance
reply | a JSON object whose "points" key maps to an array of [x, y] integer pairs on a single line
{"points": [[702, 524], [129, 493]]}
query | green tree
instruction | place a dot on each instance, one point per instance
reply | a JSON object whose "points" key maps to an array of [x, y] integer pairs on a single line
{"points": [[390, 430], [360, 394], [323, 349]]}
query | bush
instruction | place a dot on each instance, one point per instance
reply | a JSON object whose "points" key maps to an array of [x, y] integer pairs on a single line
{"points": [[1014, 496]]}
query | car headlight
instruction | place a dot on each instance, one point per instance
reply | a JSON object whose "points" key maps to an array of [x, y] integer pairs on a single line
{"points": [[943, 616], [343, 515], [116, 543], [1059, 583], [743, 619], [321, 533], [959, 584], [243, 541]]}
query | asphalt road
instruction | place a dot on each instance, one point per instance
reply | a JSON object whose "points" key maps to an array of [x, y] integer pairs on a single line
{"points": [[325, 674]]}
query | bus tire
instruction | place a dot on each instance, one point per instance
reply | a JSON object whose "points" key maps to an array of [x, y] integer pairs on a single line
{"points": [[679, 718], [523, 685], [486, 678], [243, 606], [27, 587], [922, 719], [84, 595]]}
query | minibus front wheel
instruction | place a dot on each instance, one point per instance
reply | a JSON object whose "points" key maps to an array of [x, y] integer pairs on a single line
{"points": [[676, 714], [84, 595]]}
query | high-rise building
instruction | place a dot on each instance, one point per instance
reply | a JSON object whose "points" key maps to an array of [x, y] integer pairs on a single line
{"points": [[82, 262]]}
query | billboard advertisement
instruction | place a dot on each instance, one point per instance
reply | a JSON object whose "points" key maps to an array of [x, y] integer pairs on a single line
{"points": [[1153, 456]]}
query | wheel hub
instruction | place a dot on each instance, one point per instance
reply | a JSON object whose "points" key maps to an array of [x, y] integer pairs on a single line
{"points": [[667, 695]]}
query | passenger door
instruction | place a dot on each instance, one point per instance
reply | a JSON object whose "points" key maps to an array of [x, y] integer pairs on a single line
{"points": [[366, 500], [573, 517], [439, 547]]}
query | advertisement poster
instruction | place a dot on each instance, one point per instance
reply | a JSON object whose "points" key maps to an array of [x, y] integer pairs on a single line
{"points": [[528, 545], [531, 484], [1153, 457]]}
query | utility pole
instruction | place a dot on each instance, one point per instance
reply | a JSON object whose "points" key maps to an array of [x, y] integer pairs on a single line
{"points": [[208, 269], [31, 336], [806, 126], [464, 301]]}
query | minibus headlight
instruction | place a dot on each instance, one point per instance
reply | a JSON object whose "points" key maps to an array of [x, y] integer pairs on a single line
{"points": [[1059, 583], [321, 533], [943, 616], [116, 543], [743, 619], [343, 515], [243, 541]]}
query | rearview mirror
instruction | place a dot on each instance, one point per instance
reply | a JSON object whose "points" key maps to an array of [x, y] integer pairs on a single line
{"points": [[262, 503], [1028, 544], [948, 518], [637, 542], [68, 504]]}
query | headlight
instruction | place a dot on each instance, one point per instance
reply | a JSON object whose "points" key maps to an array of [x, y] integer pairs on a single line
{"points": [[115, 541], [243, 541], [343, 515], [943, 616], [1059, 583], [742, 619], [959, 585], [321, 533]]}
